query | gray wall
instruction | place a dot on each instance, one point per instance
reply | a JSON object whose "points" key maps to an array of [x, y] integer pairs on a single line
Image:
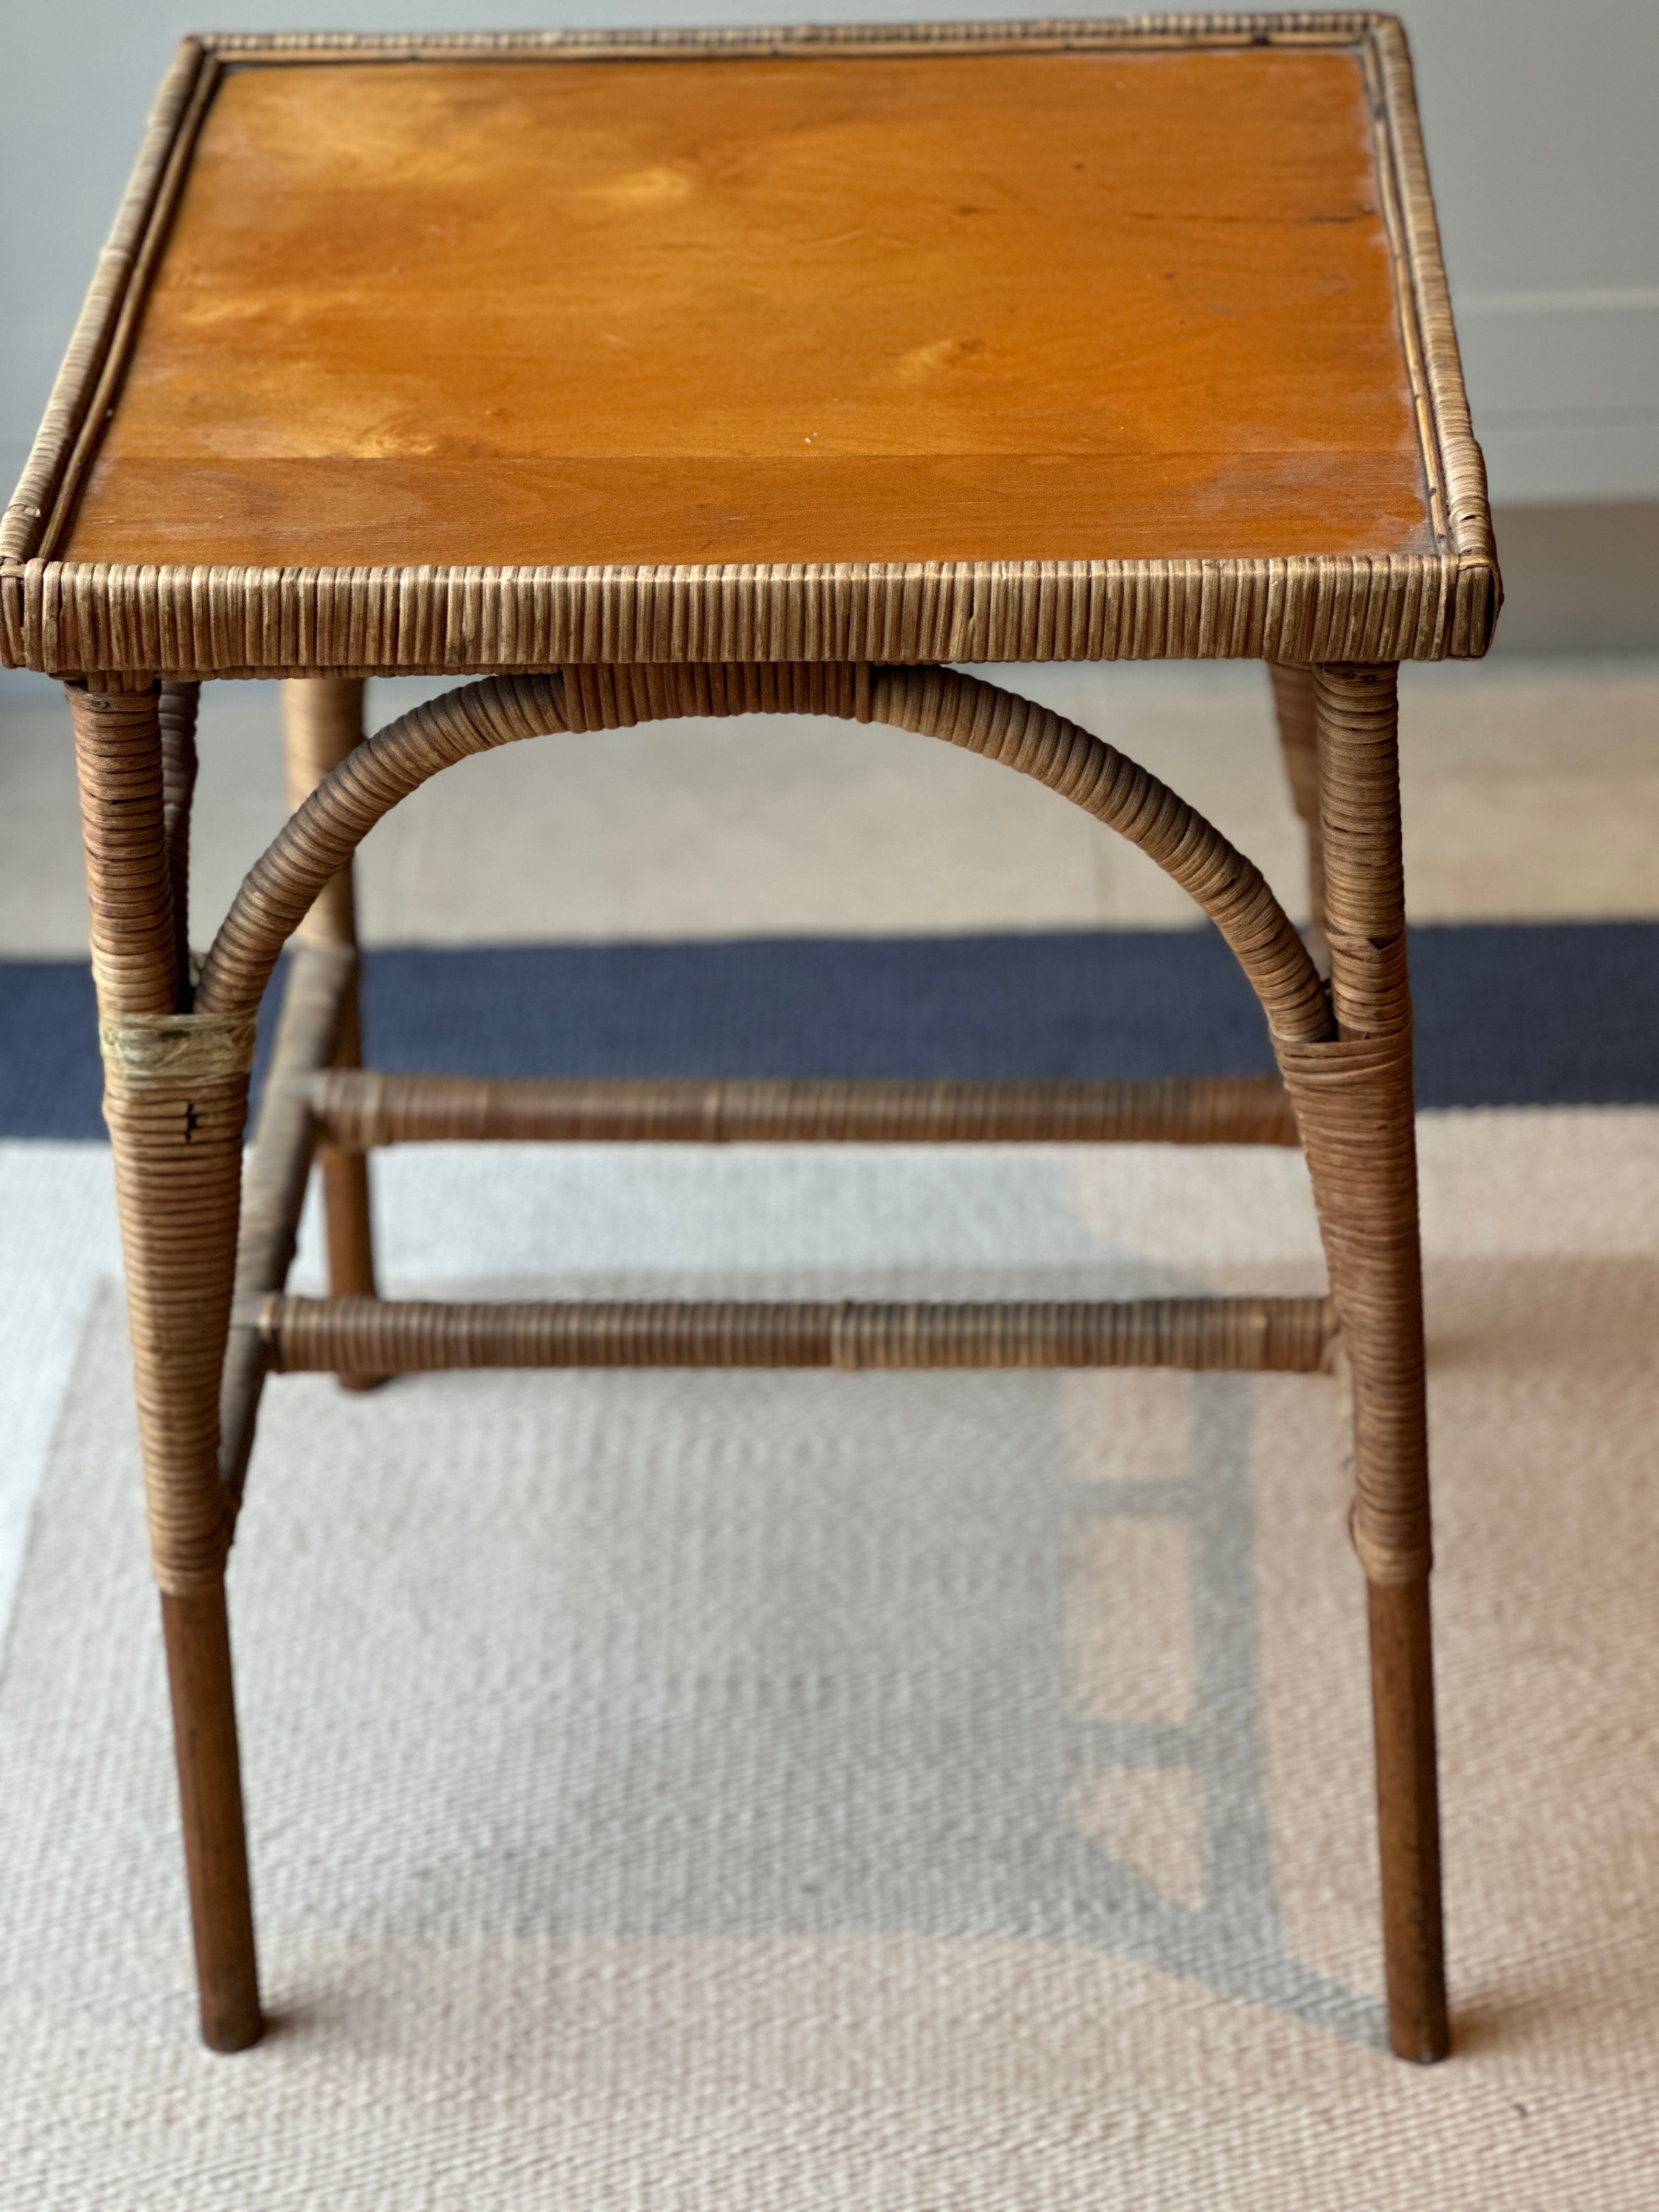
{"points": [[1542, 120]]}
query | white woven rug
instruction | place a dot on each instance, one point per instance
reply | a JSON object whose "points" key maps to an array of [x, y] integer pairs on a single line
{"points": [[694, 1790]]}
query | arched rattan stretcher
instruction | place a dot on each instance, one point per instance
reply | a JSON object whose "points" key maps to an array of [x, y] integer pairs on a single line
{"points": [[1330, 1078], [981, 718], [178, 1064]]}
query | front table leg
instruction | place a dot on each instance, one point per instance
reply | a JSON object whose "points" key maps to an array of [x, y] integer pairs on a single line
{"points": [[1369, 1206], [176, 1101]]}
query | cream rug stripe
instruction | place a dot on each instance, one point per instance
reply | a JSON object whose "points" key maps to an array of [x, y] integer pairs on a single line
{"points": [[59, 1243]]}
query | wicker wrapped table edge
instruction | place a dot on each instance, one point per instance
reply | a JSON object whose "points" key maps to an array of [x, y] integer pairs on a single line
{"points": [[97, 620]]}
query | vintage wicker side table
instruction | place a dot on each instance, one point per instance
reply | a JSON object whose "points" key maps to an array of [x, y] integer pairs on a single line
{"points": [[661, 375]]}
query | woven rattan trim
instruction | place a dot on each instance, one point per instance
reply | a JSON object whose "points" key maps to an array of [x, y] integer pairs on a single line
{"points": [[1457, 468], [89, 619], [389, 1337], [1295, 27], [97, 619]]}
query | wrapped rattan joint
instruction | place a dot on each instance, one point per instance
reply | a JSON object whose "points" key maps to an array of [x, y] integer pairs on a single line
{"points": [[160, 1052]]}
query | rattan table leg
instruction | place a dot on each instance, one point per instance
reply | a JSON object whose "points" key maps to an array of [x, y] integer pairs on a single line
{"points": [[1364, 1162], [178, 705], [1293, 706], [322, 721], [175, 1099]]}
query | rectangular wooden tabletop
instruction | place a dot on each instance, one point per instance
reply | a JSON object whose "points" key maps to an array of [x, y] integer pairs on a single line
{"points": [[1013, 306], [1041, 301]]}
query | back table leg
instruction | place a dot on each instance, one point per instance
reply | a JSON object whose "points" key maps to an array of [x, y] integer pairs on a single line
{"points": [[176, 1100], [1293, 704], [322, 720], [1366, 1184]]}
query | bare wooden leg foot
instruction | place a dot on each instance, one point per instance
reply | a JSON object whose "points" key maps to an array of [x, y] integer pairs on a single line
{"points": [[323, 720], [1407, 1819], [198, 1636]]}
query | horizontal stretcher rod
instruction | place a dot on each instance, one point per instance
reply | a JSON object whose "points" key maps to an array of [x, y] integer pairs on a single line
{"points": [[362, 1108], [397, 1337]]}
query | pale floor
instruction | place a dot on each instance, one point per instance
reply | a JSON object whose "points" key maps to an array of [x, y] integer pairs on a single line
{"points": [[449, 2009], [1531, 791]]}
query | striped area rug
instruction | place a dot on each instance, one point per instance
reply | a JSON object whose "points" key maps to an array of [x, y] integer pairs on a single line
{"points": [[804, 1790]]}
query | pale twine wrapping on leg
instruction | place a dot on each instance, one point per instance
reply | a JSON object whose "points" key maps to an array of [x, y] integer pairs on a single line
{"points": [[176, 1100]]}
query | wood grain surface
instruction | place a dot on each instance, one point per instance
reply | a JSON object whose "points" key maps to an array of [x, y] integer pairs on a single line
{"points": [[1010, 306]]}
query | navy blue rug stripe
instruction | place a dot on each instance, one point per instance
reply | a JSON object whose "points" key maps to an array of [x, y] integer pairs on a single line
{"points": [[1508, 1015], [1148, 1002]]}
